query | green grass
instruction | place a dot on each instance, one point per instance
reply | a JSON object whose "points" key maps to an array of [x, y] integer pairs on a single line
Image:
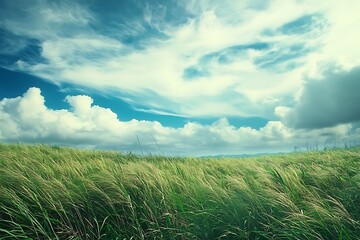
{"points": [[62, 193]]}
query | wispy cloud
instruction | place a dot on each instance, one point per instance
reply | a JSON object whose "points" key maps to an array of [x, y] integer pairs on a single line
{"points": [[216, 51]]}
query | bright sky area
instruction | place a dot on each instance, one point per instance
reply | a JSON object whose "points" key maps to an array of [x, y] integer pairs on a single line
{"points": [[197, 77]]}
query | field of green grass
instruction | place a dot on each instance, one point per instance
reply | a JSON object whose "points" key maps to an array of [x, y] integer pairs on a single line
{"points": [[62, 193]]}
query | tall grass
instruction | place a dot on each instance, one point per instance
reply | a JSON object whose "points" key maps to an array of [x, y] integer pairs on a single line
{"points": [[62, 193]]}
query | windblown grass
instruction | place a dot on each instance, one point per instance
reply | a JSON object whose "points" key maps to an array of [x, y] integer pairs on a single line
{"points": [[62, 193]]}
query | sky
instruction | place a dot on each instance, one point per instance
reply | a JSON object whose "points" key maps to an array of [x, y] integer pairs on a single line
{"points": [[185, 78]]}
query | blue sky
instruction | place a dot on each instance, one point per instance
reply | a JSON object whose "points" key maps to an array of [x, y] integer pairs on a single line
{"points": [[180, 77]]}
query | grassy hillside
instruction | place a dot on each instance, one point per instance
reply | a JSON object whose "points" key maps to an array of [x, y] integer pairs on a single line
{"points": [[61, 193]]}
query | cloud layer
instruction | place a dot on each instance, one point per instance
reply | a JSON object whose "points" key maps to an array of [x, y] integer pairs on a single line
{"points": [[27, 119], [198, 58], [292, 63]]}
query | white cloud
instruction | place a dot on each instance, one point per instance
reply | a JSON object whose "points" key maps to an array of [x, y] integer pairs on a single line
{"points": [[101, 62], [27, 119], [152, 76], [66, 52]]}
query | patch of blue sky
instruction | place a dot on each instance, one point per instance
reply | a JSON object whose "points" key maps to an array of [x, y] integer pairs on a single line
{"points": [[252, 122], [284, 58], [255, 46], [172, 12], [193, 72], [237, 122], [233, 52], [128, 105], [224, 56], [292, 65], [135, 23], [301, 25], [140, 40], [92, 56], [126, 111], [11, 43], [167, 10], [14, 48], [14, 84]]}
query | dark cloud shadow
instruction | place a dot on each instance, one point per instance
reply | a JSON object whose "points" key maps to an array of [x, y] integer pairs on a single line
{"points": [[333, 100]]}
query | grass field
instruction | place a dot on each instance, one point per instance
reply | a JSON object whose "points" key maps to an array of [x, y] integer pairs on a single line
{"points": [[62, 193]]}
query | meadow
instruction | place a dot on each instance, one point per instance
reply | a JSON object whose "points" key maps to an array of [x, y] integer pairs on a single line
{"points": [[49, 192]]}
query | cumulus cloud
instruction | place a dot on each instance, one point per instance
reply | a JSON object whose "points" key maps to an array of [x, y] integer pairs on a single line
{"points": [[27, 119], [221, 59], [326, 102]]}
